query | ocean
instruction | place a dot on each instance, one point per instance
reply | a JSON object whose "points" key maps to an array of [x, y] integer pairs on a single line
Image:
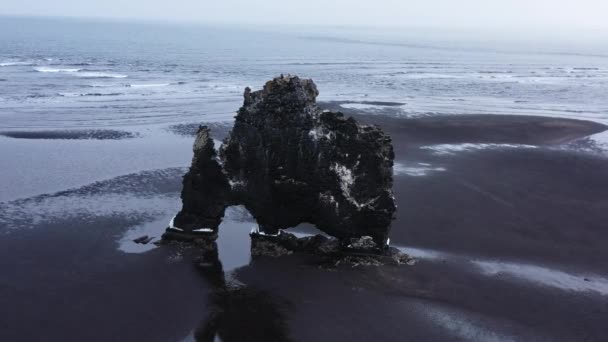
{"points": [[144, 77], [72, 73]]}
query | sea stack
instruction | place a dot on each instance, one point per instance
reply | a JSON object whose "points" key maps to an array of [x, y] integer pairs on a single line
{"points": [[288, 162]]}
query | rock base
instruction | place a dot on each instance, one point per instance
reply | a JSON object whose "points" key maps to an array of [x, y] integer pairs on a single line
{"points": [[360, 252]]}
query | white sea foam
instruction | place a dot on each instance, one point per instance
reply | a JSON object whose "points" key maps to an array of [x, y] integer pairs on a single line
{"points": [[95, 74], [415, 170], [148, 85], [88, 94], [421, 253], [598, 143], [80, 72], [56, 70], [8, 64], [534, 274], [545, 276], [449, 149], [461, 324], [102, 85]]}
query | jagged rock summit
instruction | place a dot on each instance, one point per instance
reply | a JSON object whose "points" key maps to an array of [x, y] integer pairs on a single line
{"points": [[289, 162]]}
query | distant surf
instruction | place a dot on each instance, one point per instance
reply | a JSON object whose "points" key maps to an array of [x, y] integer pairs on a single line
{"points": [[8, 64], [80, 72], [92, 74], [56, 70], [148, 85], [88, 94]]}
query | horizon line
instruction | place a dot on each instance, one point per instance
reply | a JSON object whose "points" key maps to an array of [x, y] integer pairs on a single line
{"points": [[194, 22]]}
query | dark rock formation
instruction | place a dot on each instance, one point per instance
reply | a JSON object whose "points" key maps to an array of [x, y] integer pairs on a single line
{"points": [[205, 193], [360, 251], [289, 162]]}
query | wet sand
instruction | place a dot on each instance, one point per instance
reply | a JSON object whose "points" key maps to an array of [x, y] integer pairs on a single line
{"points": [[508, 184], [505, 216], [64, 278]]}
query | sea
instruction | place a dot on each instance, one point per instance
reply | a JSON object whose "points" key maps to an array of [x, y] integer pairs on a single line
{"points": [[143, 77], [76, 73]]}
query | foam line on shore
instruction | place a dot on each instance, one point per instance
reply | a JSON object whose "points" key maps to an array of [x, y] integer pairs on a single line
{"points": [[460, 324], [56, 70], [415, 170], [535, 274], [545, 276], [450, 149]]}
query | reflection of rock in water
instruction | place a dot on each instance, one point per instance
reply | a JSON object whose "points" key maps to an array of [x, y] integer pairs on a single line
{"points": [[243, 314], [236, 312], [210, 264]]}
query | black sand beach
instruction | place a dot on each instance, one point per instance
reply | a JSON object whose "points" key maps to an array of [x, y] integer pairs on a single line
{"points": [[504, 214]]}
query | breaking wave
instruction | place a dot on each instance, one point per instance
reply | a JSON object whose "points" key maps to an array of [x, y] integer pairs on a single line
{"points": [[101, 85], [56, 70], [80, 72], [148, 85], [93, 74], [88, 94], [8, 64]]}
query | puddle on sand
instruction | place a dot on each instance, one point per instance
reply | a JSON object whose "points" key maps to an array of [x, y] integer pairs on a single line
{"points": [[234, 243], [306, 229], [153, 229]]}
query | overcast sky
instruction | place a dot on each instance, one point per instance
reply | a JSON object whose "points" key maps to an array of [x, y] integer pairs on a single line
{"points": [[420, 13]]}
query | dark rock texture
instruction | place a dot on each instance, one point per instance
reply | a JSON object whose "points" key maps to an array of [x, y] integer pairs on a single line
{"points": [[360, 251], [205, 192], [290, 162]]}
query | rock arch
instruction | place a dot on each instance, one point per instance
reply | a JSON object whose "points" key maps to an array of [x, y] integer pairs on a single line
{"points": [[289, 162]]}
